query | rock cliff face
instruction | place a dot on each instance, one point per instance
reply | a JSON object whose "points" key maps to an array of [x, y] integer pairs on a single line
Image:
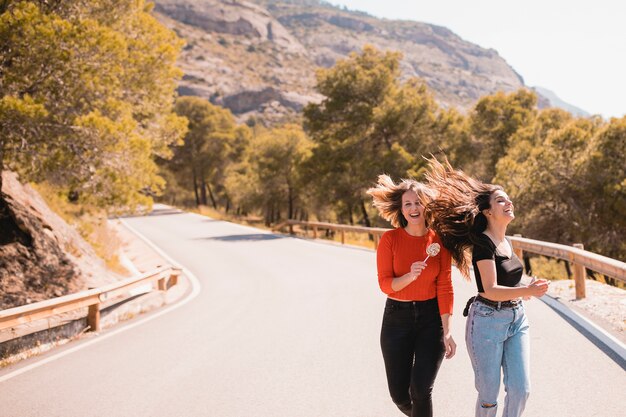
{"points": [[41, 257], [259, 57], [459, 72], [230, 17]]}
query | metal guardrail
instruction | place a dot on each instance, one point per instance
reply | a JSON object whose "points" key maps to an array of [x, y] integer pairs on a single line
{"points": [[164, 277], [575, 254]]}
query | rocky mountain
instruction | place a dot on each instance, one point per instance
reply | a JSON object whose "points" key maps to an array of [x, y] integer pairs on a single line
{"points": [[259, 57]]}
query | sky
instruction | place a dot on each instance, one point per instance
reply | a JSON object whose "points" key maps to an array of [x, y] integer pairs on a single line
{"points": [[575, 48]]}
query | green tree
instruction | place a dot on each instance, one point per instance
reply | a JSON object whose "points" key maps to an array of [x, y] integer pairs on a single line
{"points": [[370, 123], [213, 142], [270, 174], [515, 169], [566, 176], [606, 196], [87, 90], [493, 121]]}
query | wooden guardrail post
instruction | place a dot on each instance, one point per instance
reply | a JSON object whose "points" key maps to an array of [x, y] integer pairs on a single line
{"points": [[162, 284], [174, 277], [376, 240], [314, 232], [343, 236], [93, 317], [580, 275]]}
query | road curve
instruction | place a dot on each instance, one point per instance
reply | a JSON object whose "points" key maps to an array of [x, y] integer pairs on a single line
{"points": [[281, 327]]}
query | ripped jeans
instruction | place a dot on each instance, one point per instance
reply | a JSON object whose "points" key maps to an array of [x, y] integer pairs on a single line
{"points": [[498, 339]]}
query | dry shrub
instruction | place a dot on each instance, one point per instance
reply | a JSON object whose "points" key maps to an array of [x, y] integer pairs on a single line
{"points": [[88, 220]]}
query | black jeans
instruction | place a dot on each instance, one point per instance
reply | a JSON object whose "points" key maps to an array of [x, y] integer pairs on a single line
{"points": [[411, 339]]}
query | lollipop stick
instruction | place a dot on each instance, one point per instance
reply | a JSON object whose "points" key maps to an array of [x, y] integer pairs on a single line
{"points": [[428, 256]]}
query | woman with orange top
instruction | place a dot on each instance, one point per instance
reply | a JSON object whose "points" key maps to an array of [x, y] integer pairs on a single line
{"points": [[415, 334]]}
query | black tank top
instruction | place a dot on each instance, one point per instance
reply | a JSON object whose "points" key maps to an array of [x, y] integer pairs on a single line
{"points": [[508, 270]]}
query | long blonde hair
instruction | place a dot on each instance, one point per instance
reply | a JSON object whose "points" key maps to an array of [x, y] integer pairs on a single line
{"points": [[387, 197]]}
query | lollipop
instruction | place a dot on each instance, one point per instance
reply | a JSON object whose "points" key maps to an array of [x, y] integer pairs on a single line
{"points": [[432, 250]]}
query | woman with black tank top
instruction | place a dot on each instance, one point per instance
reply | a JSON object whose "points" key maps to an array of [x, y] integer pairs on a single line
{"points": [[473, 216]]}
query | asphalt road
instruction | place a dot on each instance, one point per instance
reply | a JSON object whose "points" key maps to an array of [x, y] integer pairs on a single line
{"points": [[277, 326]]}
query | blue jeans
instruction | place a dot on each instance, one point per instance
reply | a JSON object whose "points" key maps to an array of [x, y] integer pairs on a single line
{"points": [[499, 339]]}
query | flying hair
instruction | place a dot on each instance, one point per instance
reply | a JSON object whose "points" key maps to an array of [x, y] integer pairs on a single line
{"points": [[456, 214], [387, 197]]}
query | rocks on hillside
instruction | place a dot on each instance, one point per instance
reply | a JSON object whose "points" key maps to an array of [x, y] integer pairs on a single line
{"points": [[457, 71], [249, 100], [40, 255], [251, 56], [232, 17]]}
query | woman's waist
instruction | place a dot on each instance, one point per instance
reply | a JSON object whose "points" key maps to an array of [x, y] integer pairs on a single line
{"points": [[409, 309], [414, 294], [406, 303], [498, 304]]}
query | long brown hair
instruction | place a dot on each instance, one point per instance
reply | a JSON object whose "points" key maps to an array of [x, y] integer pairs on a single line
{"points": [[387, 198], [456, 214]]}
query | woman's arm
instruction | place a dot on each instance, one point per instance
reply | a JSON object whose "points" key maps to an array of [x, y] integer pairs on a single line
{"points": [[445, 300], [403, 281], [384, 260], [448, 341], [443, 283], [495, 292]]}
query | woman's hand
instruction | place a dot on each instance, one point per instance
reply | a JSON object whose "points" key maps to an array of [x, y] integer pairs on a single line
{"points": [[407, 279], [416, 269], [538, 287], [450, 346]]}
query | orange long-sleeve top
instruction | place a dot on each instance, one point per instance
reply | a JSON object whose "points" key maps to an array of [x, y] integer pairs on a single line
{"points": [[398, 250]]}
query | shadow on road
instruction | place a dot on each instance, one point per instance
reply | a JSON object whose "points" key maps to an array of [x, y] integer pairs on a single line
{"points": [[254, 237]]}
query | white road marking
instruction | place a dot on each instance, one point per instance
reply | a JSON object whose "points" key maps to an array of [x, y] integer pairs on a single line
{"points": [[196, 287]]}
